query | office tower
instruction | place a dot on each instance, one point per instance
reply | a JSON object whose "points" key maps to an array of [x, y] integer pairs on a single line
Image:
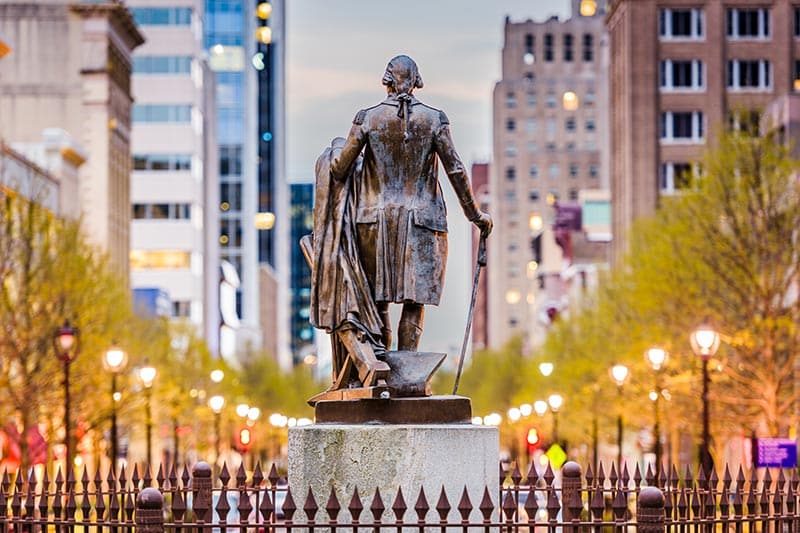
{"points": [[75, 76], [174, 186], [679, 72], [302, 217], [550, 118]]}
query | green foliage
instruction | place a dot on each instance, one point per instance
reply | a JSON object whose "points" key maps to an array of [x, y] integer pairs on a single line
{"points": [[274, 390]]}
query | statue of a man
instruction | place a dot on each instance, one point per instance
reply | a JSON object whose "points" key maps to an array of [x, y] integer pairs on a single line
{"points": [[401, 217]]}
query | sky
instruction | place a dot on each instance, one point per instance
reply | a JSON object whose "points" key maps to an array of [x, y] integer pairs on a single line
{"points": [[336, 54]]}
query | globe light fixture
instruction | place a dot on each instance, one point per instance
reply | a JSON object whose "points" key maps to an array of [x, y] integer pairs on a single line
{"points": [[540, 406], [242, 409], [114, 359], [253, 413], [656, 356], [147, 375], [217, 375], [216, 403], [555, 401], [546, 368], [526, 409], [705, 341], [619, 373], [514, 414]]}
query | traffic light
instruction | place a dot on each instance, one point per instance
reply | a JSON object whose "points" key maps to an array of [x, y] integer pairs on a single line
{"points": [[245, 439]]}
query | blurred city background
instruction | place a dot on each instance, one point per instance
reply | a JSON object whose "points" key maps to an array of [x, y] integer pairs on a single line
{"points": [[638, 158]]}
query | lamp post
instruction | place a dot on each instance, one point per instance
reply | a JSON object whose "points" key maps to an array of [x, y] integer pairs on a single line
{"points": [[705, 342], [555, 401], [217, 375], [546, 368], [66, 343], [147, 374], [216, 403], [114, 361], [619, 373], [657, 357]]}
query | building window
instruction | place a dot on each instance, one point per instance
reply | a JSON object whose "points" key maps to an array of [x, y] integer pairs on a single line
{"points": [[530, 125], [159, 259], [796, 83], [553, 172], [162, 162], [511, 173], [752, 23], [162, 211], [590, 125], [550, 147], [573, 194], [534, 171], [511, 100], [175, 113], [797, 21], [230, 196], [682, 126], [230, 160], [674, 177], [532, 147], [550, 127], [573, 170], [162, 16], [593, 172], [569, 124], [569, 53], [511, 150], [529, 56], [548, 47], [531, 99], [570, 147], [162, 65], [681, 23], [750, 74], [231, 232], [681, 75], [533, 196], [587, 51], [181, 309], [511, 124], [590, 97], [550, 101]]}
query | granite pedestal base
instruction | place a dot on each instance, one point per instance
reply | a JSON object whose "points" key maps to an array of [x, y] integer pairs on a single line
{"points": [[386, 457]]}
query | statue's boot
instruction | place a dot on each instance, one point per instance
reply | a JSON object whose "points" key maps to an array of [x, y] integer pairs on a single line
{"points": [[370, 369], [409, 330], [386, 329]]}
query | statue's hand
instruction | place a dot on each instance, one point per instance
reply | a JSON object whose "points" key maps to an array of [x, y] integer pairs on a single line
{"points": [[484, 223]]}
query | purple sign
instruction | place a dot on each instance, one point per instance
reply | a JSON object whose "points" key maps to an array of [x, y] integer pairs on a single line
{"points": [[775, 452]]}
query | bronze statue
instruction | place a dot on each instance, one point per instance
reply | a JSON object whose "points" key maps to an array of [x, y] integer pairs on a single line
{"points": [[380, 235]]}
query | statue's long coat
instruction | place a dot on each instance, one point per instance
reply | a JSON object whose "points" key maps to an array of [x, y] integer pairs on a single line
{"points": [[400, 212]]}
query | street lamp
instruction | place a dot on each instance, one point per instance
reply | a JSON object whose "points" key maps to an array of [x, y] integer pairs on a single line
{"points": [[555, 401], [217, 375], [66, 341], [619, 373], [147, 374], [705, 342], [114, 361], [242, 409], [657, 357], [216, 403], [540, 406]]}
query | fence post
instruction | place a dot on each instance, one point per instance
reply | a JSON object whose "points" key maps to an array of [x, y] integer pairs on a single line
{"points": [[201, 488], [571, 484], [150, 511], [650, 510]]}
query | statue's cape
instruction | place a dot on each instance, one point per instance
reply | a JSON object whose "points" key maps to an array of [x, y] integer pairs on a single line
{"points": [[340, 293]]}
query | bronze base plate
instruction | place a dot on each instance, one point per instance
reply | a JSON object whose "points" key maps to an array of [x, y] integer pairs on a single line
{"points": [[429, 410]]}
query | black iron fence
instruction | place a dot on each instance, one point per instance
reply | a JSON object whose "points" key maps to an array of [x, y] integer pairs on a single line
{"points": [[567, 500]]}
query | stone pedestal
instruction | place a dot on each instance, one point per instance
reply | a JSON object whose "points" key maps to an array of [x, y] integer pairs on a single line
{"points": [[386, 457]]}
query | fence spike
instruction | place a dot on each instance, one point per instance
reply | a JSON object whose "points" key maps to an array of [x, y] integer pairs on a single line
{"points": [[86, 505], [443, 506], [465, 505], [421, 506], [713, 479], [289, 507], [135, 479], [241, 476], [619, 505], [178, 503], [172, 477], [224, 475], [45, 494], [310, 507], [6, 482], [71, 505], [637, 476], [533, 475], [16, 498], [30, 497], [266, 507], [589, 477], [601, 475], [355, 506], [516, 475], [649, 476], [185, 476], [549, 476], [597, 505], [377, 507], [273, 476], [486, 506], [159, 477], [531, 506], [258, 475], [612, 476], [509, 506], [662, 477], [223, 506], [502, 473], [399, 506], [332, 507], [624, 476], [130, 505]]}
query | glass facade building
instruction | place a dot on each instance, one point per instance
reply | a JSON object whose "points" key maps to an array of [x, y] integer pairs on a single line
{"points": [[302, 215]]}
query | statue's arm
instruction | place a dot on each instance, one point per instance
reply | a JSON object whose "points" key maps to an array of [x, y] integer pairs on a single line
{"points": [[343, 157], [456, 172]]}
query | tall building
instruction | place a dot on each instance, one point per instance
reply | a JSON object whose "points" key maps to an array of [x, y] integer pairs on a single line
{"points": [[550, 143], [174, 192], [678, 71], [480, 320], [246, 44], [302, 217], [70, 69]]}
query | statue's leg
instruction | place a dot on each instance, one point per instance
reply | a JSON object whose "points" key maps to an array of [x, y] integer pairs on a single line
{"points": [[360, 352], [386, 330], [410, 329]]}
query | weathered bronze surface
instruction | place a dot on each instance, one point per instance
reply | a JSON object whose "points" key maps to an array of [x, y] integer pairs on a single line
{"points": [[430, 410], [380, 238]]}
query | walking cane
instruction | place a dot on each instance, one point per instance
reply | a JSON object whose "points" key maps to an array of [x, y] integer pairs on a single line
{"points": [[481, 262]]}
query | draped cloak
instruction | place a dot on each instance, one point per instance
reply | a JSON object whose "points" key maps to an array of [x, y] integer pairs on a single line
{"points": [[341, 297]]}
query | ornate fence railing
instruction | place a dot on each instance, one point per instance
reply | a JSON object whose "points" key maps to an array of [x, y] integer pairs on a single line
{"points": [[569, 500]]}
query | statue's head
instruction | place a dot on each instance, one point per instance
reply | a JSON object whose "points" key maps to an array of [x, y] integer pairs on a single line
{"points": [[402, 75]]}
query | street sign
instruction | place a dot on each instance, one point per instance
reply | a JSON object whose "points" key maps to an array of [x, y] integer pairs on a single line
{"points": [[556, 455], [776, 452]]}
